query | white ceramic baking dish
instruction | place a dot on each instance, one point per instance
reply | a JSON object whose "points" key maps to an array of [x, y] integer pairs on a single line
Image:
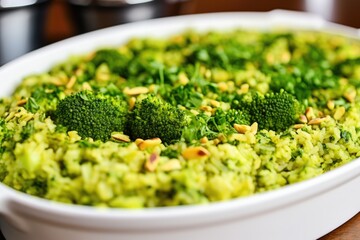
{"points": [[305, 210]]}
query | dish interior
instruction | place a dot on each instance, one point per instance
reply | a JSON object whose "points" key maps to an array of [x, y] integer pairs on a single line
{"points": [[191, 118]]}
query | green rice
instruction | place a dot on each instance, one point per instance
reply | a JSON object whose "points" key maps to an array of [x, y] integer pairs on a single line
{"points": [[40, 158]]}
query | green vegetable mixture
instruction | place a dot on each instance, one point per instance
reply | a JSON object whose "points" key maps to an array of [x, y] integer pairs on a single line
{"points": [[191, 119]]}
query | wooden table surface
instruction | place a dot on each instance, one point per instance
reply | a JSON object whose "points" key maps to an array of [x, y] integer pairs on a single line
{"points": [[348, 231]]}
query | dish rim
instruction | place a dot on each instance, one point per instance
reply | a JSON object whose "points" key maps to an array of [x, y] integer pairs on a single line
{"points": [[249, 205]]}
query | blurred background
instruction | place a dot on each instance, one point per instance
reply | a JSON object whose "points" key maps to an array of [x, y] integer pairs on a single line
{"points": [[29, 24]]}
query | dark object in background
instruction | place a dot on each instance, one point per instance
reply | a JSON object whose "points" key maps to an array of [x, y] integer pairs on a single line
{"points": [[21, 27], [89, 15]]}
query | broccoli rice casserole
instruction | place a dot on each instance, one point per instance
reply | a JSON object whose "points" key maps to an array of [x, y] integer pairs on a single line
{"points": [[190, 119]]}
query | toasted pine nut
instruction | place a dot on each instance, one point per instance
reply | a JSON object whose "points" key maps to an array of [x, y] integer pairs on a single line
{"points": [[138, 141], [309, 113], [22, 102], [254, 128], [132, 102], [285, 57], [90, 56], [152, 162], [208, 113], [220, 75], [215, 103], [183, 79], [204, 140], [244, 88], [216, 141], [195, 152], [68, 91], [194, 112], [239, 137], [202, 69], [298, 126], [316, 121], [79, 72], [149, 143], [350, 95], [136, 91], [86, 86], [303, 119], [57, 82], [120, 137], [223, 86], [242, 128], [339, 113], [152, 88], [206, 108], [172, 164], [331, 105], [71, 82]]}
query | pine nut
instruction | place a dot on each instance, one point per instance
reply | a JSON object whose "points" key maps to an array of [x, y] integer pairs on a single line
{"points": [[136, 91], [303, 119], [22, 102], [350, 95], [309, 113], [71, 82], [152, 162], [254, 128], [339, 113], [298, 126], [242, 128], [316, 121], [171, 165], [331, 105], [149, 143], [195, 152], [120, 137]]}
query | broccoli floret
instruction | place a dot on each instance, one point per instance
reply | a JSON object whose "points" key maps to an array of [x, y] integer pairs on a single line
{"points": [[154, 118], [223, 121], [198, 126], [274, 111], [116, 62], [44, 98], [186, 96], [92, 115], [300, 80]]}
